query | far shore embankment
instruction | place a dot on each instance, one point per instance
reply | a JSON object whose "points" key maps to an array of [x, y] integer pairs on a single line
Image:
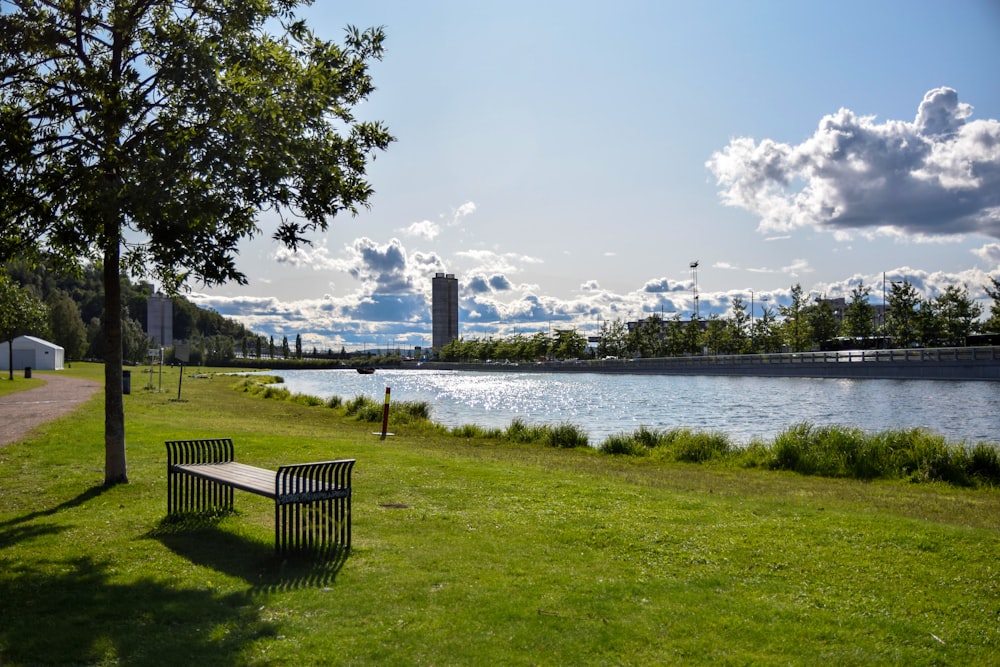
{"points": [[961, 363]]}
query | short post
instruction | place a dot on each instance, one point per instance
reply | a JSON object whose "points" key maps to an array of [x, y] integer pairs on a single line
{"points": [[385, 416], [385, 412]]}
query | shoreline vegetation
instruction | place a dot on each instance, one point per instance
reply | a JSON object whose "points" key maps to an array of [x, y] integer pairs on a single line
{"points": [[470, 550], [914, 454]]}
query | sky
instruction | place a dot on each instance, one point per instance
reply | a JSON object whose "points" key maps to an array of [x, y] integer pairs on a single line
{"points": [[568, 162]]}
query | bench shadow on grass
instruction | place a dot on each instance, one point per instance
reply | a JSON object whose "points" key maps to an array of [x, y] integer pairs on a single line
{"points": [[199, 539]]}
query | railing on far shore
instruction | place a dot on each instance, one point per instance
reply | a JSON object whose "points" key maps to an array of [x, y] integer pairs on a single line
{"points": [[948, 363]]}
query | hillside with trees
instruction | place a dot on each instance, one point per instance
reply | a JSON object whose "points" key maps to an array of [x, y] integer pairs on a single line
{"points": [[74, 303]]}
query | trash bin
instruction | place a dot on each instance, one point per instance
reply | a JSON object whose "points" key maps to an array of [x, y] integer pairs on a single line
{"points": [[126, 382], [27, 372]]}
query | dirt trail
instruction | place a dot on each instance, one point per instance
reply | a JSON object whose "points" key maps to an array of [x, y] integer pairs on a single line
{"points": [[22, 411]]}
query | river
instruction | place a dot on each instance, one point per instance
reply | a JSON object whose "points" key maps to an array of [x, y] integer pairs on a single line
{"points": [[742, 407]]}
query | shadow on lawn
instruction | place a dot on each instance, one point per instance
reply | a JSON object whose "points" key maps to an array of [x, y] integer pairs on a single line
{"points": [[12, 531], [75, 612], [200, 540]]}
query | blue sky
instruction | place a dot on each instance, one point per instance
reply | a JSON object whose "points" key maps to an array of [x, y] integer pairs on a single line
{"points": [[567, 161]]}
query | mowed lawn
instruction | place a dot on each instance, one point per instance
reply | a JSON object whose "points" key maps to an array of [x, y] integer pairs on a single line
{"points": [[470, 552]]}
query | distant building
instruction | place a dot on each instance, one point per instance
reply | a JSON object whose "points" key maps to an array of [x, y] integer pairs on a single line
{"points": [[31, 352], [160, 320], [444, 309]]}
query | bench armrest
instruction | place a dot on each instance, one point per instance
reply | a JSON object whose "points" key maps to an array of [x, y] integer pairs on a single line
{"points": [[305, 482]]}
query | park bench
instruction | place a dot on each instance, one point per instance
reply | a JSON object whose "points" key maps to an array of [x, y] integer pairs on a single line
{"points": [[312, 501]]}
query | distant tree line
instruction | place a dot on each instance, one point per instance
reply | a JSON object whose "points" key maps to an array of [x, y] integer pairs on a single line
{"points": [[906, 320], [559, 344]]}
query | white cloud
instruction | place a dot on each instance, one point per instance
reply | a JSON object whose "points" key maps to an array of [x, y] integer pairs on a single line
{"points": [[424, 229], [316, 258], [462, 212], [387, 268], [938, 175], [490, 262], [797, 267], [989, 253]]}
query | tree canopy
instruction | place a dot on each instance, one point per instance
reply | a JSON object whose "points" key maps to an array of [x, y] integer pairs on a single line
{"points": [[152, 137]]}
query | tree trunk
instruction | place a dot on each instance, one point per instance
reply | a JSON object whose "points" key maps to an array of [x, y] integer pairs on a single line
{"points": [[114, 406]]}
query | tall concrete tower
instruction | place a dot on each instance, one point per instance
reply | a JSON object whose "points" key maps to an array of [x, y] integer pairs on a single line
{"points": [[160, 319], [444, 309]]}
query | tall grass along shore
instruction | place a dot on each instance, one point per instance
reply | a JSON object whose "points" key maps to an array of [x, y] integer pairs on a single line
{"points": [[518, 546]]}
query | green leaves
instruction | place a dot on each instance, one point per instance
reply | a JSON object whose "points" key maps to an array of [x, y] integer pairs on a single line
{"points": [[179, 124]]}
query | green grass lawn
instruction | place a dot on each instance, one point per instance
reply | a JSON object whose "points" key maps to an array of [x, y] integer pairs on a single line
{"points": [[478, 552]]}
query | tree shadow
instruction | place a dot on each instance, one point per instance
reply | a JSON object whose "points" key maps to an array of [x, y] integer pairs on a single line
{"points": [[73, 612], [200, 539], [12, 531]]}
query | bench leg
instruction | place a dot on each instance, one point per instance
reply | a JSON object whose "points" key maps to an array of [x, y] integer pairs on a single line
{"points": [[187, 493], [312, 526]]}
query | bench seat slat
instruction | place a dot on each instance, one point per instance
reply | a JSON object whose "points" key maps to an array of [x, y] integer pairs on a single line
{"points": [[238, 475]]}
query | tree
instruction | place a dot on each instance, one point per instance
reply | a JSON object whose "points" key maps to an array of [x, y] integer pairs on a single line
{"points": [[21, 312], [993, 323], [958, 313], [739, 326], [796, 329], [149, 136], [66, 324], [716, 333], [859, 316], [822, 320], [646, 339], [613, 342], [901, 315]]}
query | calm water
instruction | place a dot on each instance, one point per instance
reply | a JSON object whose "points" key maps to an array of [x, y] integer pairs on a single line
{"points": [[743, 407]]}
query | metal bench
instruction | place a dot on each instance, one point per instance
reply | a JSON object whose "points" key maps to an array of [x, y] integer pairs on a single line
{"points": [[312, 501]]}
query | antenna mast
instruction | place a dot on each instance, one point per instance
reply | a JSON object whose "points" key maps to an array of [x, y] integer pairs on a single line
{"points": [[694, 289]]}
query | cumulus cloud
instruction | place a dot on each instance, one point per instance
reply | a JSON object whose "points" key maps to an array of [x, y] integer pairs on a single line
{"points": [[658, 285], [386, 268], [424, 229], [989, 253], [936, 175], [317, 258], [482, 284]]}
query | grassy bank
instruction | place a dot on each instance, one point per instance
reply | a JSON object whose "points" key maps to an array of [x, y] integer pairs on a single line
{"points": [[477, 550]]}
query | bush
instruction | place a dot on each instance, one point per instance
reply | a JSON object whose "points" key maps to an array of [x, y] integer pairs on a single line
{"points": [[566, 436], [334, 402], [469, 431], [306, 400], [623, 444], [700, 447], [412, 410], [984, 464], [521, 433]]}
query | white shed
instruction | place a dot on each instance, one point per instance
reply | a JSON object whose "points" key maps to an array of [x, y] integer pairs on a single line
{"points": [[40, 355]]}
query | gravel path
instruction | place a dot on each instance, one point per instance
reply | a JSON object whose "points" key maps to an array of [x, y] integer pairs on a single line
{"points": [[24, 410]]}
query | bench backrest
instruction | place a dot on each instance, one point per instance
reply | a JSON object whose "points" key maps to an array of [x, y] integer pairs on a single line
{"points": [[213, 450]]}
